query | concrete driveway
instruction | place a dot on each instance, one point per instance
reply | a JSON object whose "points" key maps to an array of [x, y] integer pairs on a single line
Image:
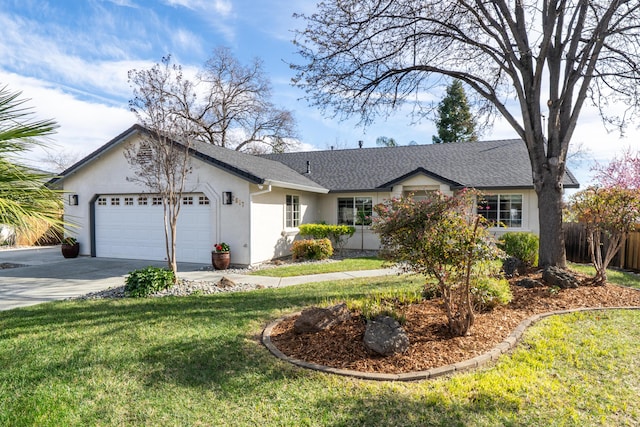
{"points": [[48, 276]]}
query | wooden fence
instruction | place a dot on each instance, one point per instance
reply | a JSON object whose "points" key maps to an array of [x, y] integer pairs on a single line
{"points": [[575, 238]]}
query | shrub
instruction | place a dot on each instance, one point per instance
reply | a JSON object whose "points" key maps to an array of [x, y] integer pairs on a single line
{"points": [[312, 249], [521, 245], [338, 234], [146, 281], [440, 238], [490, 292]]}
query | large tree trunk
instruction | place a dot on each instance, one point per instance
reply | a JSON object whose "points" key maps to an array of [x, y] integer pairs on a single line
{"points": [[552, 248]]}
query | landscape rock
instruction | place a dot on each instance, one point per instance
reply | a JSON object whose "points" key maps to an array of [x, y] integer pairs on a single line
{"points": [[317, 319], [225, 282], [529, 283], [563, 279], [385, 336], [512, 266]]}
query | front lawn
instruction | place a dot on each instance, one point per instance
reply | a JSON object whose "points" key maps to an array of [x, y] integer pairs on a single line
{"points": [[197, 361], [303, 269]]}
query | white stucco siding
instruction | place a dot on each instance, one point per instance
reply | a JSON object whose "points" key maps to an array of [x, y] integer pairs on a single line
{"points": [[107, 175], [270, 236]]}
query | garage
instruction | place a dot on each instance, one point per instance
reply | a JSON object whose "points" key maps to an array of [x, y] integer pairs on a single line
{"points": [[131, 226]]}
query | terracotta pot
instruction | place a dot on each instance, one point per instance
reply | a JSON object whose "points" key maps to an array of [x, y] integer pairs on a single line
{"points": [[70, 251], [220, 260]]}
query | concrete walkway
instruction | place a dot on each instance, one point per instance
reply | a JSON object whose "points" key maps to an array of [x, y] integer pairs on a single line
{"points": [[47, 276]]}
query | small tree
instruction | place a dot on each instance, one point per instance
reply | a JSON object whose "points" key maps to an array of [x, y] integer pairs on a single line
{"points": [[441, 238], [610, 212], [160, 162], [455, 122]]}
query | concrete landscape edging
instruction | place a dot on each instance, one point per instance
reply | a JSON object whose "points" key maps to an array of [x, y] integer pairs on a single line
{"points": [[508, 344]]}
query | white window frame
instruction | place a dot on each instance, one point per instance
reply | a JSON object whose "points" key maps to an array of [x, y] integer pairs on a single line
{"points": [[498, 215], [292, 212], [366, 202]]}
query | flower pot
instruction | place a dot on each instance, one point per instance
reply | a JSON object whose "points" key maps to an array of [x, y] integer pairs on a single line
{"points": [[70, 251], [220, 260]]}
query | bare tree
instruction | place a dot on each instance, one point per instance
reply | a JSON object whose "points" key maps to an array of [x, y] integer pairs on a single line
{"points": [[57, 161], [161, 161], [383, 141], [238, 112], [228, 104], [365, 57]]}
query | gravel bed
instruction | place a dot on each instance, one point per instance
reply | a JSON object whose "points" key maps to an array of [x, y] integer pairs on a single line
{"points": [[183, 288], [202, 287]]}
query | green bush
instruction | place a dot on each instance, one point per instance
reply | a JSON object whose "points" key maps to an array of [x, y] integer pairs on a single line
{"points": [[521, 245], [146, 281], [338, 234], [312, 249], [490, 292]]}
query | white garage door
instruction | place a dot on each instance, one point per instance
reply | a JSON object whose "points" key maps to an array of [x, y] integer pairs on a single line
{"points": [[131, 226]]}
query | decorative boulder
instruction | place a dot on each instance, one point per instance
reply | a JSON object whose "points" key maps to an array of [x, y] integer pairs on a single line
{"points": [[385, 336], [316, 319], [563, 279]]}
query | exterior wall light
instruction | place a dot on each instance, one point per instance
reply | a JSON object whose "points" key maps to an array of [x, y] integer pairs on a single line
{"points": [[73, 200], [227, 198]]}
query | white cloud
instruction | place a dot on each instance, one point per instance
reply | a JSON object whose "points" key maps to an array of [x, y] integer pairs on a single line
{"points": [[186, 41], [83, 126]]}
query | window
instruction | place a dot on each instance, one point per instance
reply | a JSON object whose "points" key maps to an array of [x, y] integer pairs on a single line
{"points": [[102, 201], [187, 200], [203, 200], [355, 210], [128, 201], [502, 208], [115, 201], [292, 211], [142, 201], [156, 201]]}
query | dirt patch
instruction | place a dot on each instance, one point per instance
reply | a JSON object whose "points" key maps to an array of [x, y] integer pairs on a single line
{"points": [[431, 345]]}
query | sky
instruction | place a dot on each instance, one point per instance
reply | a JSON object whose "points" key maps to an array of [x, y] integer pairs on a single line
{"points": [[70, 59]]}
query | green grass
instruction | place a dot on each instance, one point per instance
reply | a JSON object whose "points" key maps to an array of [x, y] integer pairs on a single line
{"points": [[613, 276], [350, 264], [197, 361]]}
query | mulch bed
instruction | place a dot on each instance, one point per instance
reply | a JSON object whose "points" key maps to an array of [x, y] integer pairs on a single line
{"points": [[431, 345]]}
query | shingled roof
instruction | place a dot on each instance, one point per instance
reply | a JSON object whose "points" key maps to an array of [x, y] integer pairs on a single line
{"points": [[257, 170], [500, 164]]}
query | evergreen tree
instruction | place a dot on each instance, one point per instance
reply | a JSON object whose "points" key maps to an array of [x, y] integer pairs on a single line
{"points": [[455, 122]]}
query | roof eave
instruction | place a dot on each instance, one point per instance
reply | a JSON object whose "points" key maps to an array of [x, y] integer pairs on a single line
{"points": [[294, 186]]}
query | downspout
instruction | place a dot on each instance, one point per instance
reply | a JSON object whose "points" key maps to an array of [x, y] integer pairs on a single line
{"points": [[257, 193]]}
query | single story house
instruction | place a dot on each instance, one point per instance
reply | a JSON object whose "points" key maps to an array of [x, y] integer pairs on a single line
{"points": [[255, 203]]}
